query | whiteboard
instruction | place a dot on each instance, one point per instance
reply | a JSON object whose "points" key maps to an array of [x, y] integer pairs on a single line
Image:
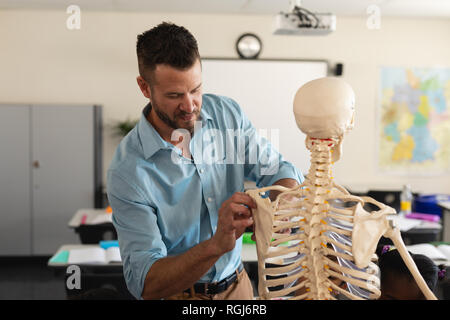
{"points": [[265, 91]]}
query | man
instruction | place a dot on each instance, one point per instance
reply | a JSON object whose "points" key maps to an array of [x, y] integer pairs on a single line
{"points": [[179, 216]]}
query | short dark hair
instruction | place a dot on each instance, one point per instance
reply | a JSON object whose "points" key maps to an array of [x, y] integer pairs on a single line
{"points": [[392, 264], [168, 44]]}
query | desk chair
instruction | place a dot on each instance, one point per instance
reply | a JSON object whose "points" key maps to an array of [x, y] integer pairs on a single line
{"points": [[93, 234], [104, 286], [388, 197]]}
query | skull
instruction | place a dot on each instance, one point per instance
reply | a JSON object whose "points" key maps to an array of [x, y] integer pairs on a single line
{"points": [[324, 109]]}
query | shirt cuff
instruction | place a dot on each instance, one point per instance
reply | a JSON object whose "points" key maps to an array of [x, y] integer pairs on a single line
{"points": [[285, 171]]}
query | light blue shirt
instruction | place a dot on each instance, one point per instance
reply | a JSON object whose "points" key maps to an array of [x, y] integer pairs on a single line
{"points": [[164, 204]]}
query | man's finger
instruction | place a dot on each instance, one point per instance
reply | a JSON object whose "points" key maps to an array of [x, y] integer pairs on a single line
{"points": [[243, 198], [244, 223], [240, 210]]}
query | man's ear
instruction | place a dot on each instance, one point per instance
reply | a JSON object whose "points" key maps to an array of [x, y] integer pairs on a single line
{"points": [[145, 88]]}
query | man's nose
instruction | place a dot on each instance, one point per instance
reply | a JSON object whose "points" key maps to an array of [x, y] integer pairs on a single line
{"points": [[188, 105]]}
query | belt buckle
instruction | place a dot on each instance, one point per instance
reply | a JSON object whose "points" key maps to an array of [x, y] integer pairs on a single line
{"points": [[218, 285], [207, 287], [227, 282]]}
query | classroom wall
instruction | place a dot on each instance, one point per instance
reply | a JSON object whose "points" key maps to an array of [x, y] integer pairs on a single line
{"points": [[41, 61]]}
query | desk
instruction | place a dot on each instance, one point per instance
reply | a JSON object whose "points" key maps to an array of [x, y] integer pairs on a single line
{"points": [[97, 225], [93, 216], [67, 247], [415, 231], [96, 275], [249, 253], [98, 281], [445, 205]]}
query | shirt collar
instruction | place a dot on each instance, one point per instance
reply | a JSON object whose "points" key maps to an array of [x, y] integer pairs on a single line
{"points": [[150, 139], [204, 114]]}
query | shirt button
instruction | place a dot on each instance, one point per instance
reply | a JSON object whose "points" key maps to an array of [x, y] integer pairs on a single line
{"points": [[201, 170], [210, 199]]}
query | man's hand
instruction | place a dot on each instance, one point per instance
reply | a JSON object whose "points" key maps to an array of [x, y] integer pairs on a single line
{"points": [[235, 216]]}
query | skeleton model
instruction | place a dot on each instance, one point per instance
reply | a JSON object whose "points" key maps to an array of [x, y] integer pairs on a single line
{"points": [[332, 236]]}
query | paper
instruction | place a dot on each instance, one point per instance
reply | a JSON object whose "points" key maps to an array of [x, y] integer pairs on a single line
{"points": [[113, 254], [445, 249], [94, 255], [405, 224], [429, 225], [445, 204], [439, 253], [101, 218]]}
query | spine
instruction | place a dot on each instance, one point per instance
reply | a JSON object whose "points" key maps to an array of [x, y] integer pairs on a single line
{"points": [[318, 185]]}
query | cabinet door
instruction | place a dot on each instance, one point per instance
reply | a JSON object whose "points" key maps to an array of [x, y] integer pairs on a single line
{"points": [[15, 174], [63, 172]]}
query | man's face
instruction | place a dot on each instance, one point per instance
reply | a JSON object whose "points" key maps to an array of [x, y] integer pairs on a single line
{"points": [[176, 95]]}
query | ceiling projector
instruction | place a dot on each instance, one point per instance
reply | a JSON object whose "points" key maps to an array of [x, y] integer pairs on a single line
{"points": [[304, 22]]}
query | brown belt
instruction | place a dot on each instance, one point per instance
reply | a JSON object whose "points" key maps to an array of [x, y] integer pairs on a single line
{"points": [[216, 287]]}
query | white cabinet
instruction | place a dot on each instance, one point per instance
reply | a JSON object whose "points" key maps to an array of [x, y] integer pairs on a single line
{"points": [[15, 174], [50, 166]]}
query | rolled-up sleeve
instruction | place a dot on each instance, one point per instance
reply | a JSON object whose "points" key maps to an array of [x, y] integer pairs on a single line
{"points": [[139, 237], [265, 164]]}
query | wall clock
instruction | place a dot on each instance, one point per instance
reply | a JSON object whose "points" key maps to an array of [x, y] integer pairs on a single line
{"points": [[248, 46]]}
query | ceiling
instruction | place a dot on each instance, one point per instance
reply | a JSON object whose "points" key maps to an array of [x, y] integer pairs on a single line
{"points": [[398, 8]]}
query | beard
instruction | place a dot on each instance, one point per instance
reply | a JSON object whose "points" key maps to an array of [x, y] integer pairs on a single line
{"points": [[177, 121]]}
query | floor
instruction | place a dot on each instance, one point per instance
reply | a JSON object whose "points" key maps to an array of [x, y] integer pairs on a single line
{"points": [[31, 279]]}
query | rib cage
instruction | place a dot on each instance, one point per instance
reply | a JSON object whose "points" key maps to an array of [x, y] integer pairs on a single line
{"points": [[332, 237]]}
